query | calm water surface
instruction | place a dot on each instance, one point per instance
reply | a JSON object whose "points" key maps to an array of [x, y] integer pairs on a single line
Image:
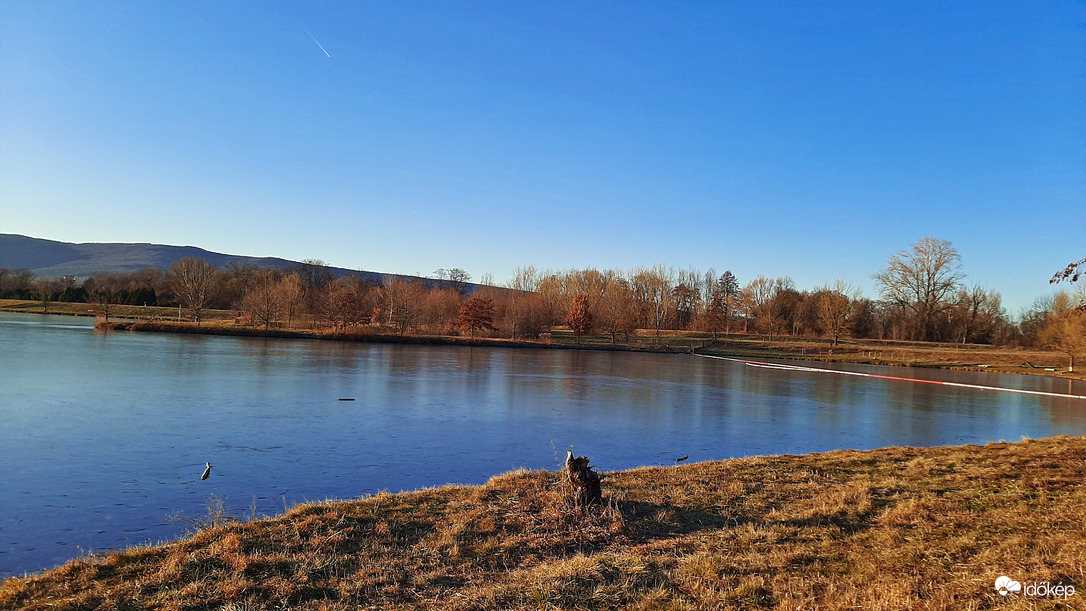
{"points": [[103, 437]]}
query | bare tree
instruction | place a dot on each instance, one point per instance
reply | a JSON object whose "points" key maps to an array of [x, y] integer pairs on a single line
{"points": [[525, 279], [343, 305], [921, 280], [589, 282], [525, 315], [834, 308], [315, 273], [715, 312], [18, 282], [685, 300], [796, 309], [1065, 329], [553, 290], [977, 315], [401, 302], [652, 292], [440, 307], [762, 296], [456, 279], [193, 281], [149, 279], [615, 304], [102, 289], [1072, 272], [291, 296], [262, 299], [45, 291], [237, 279]]}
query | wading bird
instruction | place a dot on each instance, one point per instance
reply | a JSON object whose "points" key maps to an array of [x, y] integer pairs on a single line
{"points": [[207, 472]]}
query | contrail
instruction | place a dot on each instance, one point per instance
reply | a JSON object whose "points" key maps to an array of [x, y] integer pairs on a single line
{"points": [[317, 41]]}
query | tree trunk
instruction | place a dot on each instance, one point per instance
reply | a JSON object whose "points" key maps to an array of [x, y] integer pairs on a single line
{"points": [[584, 483]]}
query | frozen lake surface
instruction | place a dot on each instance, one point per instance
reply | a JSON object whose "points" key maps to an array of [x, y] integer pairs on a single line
{"points": [[104, 436]]}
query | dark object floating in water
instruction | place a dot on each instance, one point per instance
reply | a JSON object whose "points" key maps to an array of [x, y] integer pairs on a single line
{"points": [[682, 458], [207, 472], [346, 399]]}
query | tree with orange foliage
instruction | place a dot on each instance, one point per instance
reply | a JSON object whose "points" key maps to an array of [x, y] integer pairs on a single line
{"points": [[476, 314], [579, 318]]}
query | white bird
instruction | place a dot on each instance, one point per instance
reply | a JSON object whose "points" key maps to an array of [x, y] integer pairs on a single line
{"points": [[207, 472]]}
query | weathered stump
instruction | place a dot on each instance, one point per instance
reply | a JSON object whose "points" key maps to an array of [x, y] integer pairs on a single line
{"points": [[584, 483]]}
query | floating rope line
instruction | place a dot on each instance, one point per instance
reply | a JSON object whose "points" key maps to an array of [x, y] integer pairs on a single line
{"points": [[785, 367]]}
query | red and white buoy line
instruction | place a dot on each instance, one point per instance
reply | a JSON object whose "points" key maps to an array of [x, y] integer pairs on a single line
{"points": [[785, 367]]}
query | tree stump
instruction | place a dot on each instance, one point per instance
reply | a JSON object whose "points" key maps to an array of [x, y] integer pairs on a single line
{"points": [[584, 483]]}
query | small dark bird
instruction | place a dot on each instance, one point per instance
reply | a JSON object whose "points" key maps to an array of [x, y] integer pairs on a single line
{"points": [[207, 472], [682, 458]]}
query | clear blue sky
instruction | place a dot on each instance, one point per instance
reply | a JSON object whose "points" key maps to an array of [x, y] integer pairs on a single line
{"points": [[810, 139]]}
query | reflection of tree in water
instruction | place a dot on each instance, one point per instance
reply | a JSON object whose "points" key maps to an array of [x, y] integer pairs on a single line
{"points": [[576, 383], [831, 389], [1063, 412], [333, 355], [192, 353], [406, 359], [531, 373], [260, 352], [474, 360]]}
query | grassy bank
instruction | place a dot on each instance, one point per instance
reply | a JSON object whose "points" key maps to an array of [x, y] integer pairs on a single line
{"points": [[130, 312], [896, 528]]}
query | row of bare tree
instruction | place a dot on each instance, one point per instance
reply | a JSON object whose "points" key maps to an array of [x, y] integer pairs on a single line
{"points": [[923, 297]]}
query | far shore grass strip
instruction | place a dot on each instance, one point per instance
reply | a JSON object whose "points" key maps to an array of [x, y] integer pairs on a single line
{"points": [[973, 357]]}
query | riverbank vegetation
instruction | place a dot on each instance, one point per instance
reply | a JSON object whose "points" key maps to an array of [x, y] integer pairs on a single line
{"points": [[895, 528], [979, 357], [923, 298]]}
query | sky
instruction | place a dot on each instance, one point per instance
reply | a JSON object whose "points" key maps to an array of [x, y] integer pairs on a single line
{"points": [[805, 139]]}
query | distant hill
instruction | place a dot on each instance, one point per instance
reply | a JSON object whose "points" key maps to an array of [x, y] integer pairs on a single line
{"points": [[53, 259]]}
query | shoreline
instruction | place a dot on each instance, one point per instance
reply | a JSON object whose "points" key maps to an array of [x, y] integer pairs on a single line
{"points": [[889, 353], [896, 527], [364, 337], [671, 345]]}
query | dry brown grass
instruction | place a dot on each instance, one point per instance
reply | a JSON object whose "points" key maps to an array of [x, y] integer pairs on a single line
{"points": [[115, 310], [898, 528]]}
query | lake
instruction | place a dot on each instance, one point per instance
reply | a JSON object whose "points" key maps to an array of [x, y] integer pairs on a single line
{"points": [[104, 436]]}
